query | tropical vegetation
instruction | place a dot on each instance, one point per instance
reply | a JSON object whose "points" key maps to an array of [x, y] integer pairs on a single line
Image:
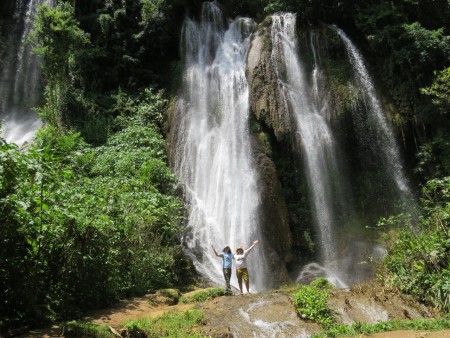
{"points": [[91, 211]]}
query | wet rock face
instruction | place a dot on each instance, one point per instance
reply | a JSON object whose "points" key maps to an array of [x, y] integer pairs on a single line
{"points": [[265, 100], [256, 315], [273, 213], [268, 107]]}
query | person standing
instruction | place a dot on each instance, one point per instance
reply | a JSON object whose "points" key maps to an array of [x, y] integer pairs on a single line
{"points": [[241, 266], [227, 259]]}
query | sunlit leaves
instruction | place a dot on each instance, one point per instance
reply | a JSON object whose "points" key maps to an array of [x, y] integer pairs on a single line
{"points": [[419, 260], [57, 37], [440, 90], [85, 225]]}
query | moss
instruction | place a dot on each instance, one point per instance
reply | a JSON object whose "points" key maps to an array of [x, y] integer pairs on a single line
{"points": [[264, 139], [203, 295], [171, 296]]}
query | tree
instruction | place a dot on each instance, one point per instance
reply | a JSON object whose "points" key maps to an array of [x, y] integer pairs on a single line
{"points": [[59, 41]]}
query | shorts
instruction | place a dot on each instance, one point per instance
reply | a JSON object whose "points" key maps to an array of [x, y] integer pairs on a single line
{"points": [[242, 274]]}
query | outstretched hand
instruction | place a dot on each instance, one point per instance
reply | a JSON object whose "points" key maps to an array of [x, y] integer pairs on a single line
{"points": [[255, 242]]}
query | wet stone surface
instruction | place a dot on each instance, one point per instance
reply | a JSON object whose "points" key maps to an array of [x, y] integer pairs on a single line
{"points": [[261, 315]]}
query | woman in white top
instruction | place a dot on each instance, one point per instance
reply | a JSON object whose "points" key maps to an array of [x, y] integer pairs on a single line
{"points": [[241, 266]]}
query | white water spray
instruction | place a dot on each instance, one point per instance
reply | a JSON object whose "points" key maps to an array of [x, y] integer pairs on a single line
{"points": [[314, 135], [385, 134], [212, 154], [20, 88]]}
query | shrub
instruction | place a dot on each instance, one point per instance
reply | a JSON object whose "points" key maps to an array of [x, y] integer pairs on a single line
{"points": [[203, 295], [311, 302], [173, 324], [418, 262], [86, 329]]}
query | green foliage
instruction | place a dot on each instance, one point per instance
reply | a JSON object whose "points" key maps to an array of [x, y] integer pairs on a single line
{"points": [[172, 295], [395, 325], [56, 38], [141, 109], [203, 295], [59, 41], [440, 90], [172, 324], [434, 156], [84, 226], [85, 329], [131, 39], [152, 12], [421, 47], [274, 6], [406, 47], [418, 262], [311, 302]]}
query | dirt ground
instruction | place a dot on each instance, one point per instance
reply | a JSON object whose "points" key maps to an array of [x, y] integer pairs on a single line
{"points": [[271, 314]]}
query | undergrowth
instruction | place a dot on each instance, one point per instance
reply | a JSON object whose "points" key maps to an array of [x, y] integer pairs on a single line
{"points": [[203, 295], [85, 329], [311, 302], [394, 325], [173, 324]]}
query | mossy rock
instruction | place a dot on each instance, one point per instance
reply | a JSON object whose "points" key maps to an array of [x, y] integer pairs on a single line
{"points": [[165, 296], [202, 295]]}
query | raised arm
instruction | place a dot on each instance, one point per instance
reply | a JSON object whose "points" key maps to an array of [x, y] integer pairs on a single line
{"points": [[212, 246], [252, 246]]}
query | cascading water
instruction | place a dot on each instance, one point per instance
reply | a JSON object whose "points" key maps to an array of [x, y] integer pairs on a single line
{"points": [[383, 139], [313, 133], [20, 78], [212, 154]]}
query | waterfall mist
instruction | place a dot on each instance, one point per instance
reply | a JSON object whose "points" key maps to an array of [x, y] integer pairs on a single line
{"points": [[212, 155], [20, 79]]}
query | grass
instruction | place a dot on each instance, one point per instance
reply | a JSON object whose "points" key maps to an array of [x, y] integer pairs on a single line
{"points": [[394, 325], [86, 329], [311, 304], [172, 325], [203, 295]]}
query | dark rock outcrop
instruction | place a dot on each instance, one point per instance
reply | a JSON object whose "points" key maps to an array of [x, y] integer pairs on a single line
{"points": [[273, 213], [265, 99]]}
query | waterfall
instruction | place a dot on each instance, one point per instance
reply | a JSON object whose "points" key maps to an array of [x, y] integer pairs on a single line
{"points": [[211, 142], [344, 246], [20, 88], [382, 139], [314, 136]]}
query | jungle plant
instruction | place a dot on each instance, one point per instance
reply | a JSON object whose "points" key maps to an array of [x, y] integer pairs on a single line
{"points": [[418, 262], [173, 324], [394, 325], [311, 302], [60, 42]]}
